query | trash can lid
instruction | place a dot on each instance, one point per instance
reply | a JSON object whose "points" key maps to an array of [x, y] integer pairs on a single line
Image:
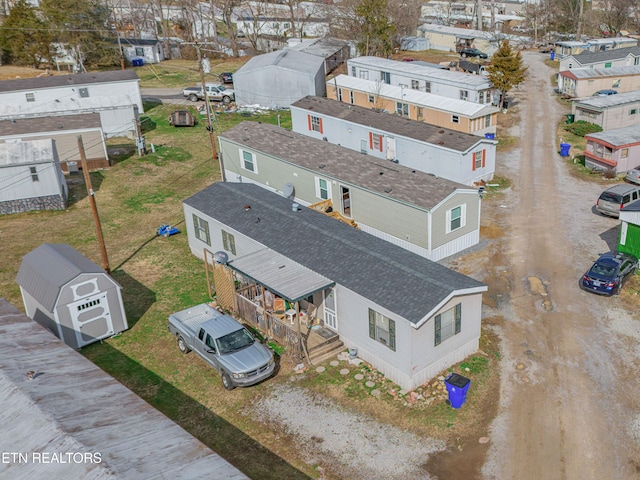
{"points": [[457, 380]]}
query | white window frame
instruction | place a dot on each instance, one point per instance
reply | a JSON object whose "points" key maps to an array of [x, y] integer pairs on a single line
{"points": [[415, 84], [382, 329], [455, 119], [376, 141], [315, 124], [427, 87], [319, 188], [351, 97], [451, 218], [478, 159], [364, 74], [487, 120], [339, 94], [371, 98], [243, 161], [445, 324], [31, 97], [464, 94], [402, 109]]}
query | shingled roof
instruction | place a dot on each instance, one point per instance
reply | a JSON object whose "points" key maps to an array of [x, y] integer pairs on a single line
{"points": [[77, 79]]}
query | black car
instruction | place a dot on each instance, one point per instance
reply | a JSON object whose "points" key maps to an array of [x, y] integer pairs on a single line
{"points": [[472, 52], [226, 77], [608, 273]]}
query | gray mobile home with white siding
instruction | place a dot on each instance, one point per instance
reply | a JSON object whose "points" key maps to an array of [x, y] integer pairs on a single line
{"points": [[407, 316], [456, 156], [70, 296], [432, 217]]}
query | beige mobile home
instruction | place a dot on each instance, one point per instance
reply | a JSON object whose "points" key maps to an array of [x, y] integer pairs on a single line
{"points": [[583, 82]]}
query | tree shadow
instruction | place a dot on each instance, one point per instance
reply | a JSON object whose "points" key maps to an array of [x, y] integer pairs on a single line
{"points": [[239, 449]]}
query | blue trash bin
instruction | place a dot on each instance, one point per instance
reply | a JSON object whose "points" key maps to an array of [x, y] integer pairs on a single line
{"points": [[564, 149], [490, 136], [552, 56], [137, 62], [457, 386]]}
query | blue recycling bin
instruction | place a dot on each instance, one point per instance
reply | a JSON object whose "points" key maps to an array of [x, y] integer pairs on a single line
{"points": [[552, 55], [490, 136], [564, 149], [457, 386], [137, 62]]}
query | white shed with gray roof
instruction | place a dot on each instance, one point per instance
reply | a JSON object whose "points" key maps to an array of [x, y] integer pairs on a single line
{"points": [[71, 296], [409, 317]]}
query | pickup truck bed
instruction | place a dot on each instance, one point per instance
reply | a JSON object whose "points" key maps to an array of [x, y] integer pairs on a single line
{"points": [[192, 318]]}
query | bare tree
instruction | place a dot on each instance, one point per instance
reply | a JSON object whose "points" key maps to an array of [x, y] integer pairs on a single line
{"points": [[616, 15]]}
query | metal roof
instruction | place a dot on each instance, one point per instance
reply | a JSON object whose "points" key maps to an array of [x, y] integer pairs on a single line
{"points": [[578, 73], [77, 79], [381, 177], [439, 137], [67, 104], [390, 276], [322, 47], [285, 59], [49, 267], [411, 69], [607, 101], [72, 406], [26, 153], [57, 124], [595, 57], [430, 100], [459, 32], [618, 137], [280, 274]]}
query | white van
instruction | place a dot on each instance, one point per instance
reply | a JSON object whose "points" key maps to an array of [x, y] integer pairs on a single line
{"points": [[614, 198]]}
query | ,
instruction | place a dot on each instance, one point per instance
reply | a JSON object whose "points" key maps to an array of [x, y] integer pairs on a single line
{"points": [[608, 273], [472, 52]]}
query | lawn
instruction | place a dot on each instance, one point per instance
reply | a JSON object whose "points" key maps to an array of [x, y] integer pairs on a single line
{"points": [[160, 275]]}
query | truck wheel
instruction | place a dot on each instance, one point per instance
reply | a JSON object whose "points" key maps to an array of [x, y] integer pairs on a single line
{"points": [[226, 99], [182, 345], [193, 97], [226, 382]]}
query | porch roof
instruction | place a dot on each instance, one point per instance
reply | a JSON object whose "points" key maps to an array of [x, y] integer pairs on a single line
{"points": [[281, 275]]}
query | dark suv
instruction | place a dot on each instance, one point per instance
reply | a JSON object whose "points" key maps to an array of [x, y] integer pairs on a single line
{"points": [[472, 52], [608, 273]]}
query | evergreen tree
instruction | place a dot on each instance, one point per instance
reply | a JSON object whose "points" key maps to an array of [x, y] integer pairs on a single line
{"points": [[506, 70], [25, 39], [375, 35]]}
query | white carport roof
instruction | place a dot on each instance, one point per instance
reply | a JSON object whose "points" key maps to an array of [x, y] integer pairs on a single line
{"points": [[280, 274]]}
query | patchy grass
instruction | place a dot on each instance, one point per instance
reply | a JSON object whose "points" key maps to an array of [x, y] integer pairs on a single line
{"points": [[181, 73]]}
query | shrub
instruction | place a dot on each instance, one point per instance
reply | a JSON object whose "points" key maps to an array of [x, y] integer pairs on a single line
{"points": [[582, 128]]}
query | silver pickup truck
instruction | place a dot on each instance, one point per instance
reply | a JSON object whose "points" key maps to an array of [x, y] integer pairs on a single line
{"points": [[224, 343]]}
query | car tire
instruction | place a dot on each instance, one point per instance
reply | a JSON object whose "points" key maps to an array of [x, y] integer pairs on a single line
{"points": [[226, 382], [193, 97], [182, 345], [226, 100]]}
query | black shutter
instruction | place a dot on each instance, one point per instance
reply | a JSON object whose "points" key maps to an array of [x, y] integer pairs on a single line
{"points": [[438, 328], [372, 324], [392, 335], [458, 318]]}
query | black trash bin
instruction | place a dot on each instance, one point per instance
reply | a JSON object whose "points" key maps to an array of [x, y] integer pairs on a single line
{"points": [[457, 386]]}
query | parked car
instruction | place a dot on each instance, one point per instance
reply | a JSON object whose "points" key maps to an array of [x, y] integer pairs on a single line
{"points": [[633, 175], [609, 272], [473, 52], [605, 93], [614, 198], [226, 77]]}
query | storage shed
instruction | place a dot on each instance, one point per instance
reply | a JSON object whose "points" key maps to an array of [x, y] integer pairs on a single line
{"points": [[70, 295]]}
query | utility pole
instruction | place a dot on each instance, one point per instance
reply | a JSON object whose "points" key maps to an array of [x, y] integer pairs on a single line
{"points": [[207, 107], [94, 208]]}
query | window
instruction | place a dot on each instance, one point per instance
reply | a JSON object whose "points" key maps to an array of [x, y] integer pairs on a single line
{"points": [[480, 97], [34, 174], [447, 324], [228, 242], [286, 25], [339, 94], [633, 111], [403, 85], [382, 329], [275, 25], [616, 84], [478, 159], [31, 97], [624, 153], [90, 304], [315, 123], [455, 119], [402, 109], [375, 141], [201, 229], [323, 189], [456, 218], [84, 92], [385, 77], [419, 113], [139, 52], [371, 98], [351, 99], [487, 121], [248, 161], [427, 87], [353, 72], [364, 74], [464, 94], [607, 65], [415, 85]]}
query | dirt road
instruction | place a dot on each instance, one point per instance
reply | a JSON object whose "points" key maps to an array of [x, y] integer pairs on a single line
{"points": [[569, 391]]}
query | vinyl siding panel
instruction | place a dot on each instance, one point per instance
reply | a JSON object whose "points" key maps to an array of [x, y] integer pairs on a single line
{"points": [[631, 239], [440, 236]]}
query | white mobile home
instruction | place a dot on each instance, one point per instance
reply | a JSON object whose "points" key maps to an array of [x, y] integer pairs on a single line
{"points": [[31, 177], [407, 316], [610, 111], [71, 296], [430, 216], [115, 95], [408, 75], [459, 157], [620, 57]]}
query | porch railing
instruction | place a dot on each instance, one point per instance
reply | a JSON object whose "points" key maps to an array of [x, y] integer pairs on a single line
{"points": [[269, 324]]}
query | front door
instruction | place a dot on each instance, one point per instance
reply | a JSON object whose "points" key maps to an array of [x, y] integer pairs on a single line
{"points": [[91, 318], [345, 200], [330, 319]]}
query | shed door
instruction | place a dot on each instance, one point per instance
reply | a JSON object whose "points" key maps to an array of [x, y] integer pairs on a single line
{"points": [[91, 319], [391, 148]]}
